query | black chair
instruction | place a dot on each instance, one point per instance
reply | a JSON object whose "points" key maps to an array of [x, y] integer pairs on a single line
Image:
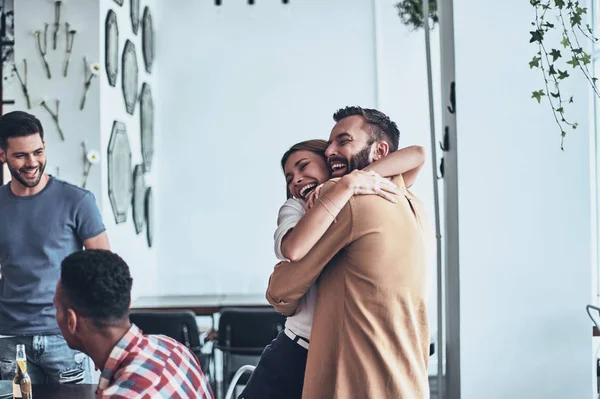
{"points": [[179, 325], [243, 335]]}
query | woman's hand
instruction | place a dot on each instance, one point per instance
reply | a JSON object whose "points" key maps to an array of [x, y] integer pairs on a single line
{"points": [[369, 183]]}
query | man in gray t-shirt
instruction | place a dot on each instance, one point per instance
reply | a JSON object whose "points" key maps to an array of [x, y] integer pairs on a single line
{"points": [[42, 220]]}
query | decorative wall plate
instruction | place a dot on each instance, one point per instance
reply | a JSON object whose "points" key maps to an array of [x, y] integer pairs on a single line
{"points": [[149, 216], [148, 39], [134, 13], [120, 186], [130, 76], [147, 126], [139, 198], [111, 47]]}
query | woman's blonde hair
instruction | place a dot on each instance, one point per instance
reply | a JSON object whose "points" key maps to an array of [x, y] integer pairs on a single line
{"points": [[316, 146]]}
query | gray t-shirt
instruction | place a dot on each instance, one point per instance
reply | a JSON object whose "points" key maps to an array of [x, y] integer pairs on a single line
{"points": [[36, 233]]}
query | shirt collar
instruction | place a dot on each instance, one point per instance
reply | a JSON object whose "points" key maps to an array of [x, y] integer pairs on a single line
{"points": [[130, 340]]}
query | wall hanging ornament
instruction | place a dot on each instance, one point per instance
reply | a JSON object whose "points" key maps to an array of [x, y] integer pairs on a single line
{"points": [[111, 48], [139, 198], [134, 13], [148, 39], [147, 126], [120, 184], [149, 217], [129, 78], [89, 72], [23, 81], [70, 39], [54, 115], [42, 50], [57, 5], [90, 158]]}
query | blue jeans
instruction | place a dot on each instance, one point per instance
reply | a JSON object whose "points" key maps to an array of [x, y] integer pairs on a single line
{"points": [[49, 360]]}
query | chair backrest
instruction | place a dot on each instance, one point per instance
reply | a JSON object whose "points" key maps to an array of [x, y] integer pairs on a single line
{"points": [[179, 325], [248, 330]]}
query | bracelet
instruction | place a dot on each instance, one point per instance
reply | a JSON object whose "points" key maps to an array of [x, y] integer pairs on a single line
{"points": [[330, 200], [328, 210]]}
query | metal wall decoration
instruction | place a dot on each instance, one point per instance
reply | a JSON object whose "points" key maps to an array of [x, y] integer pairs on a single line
{"points": [[139, 198], [147, 126], [112, 47], [149, 216], [134, 13], [119, 2], [129, 78], [120, 184], [148, 39]]}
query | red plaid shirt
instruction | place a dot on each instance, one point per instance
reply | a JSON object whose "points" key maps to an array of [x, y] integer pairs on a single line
{"points": [[152, 366]]}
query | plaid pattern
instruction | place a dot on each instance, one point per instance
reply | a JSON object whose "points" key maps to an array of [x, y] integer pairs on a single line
{"points": [[152, 366]]}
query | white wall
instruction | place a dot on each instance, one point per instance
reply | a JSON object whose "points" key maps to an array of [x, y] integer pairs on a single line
{"points": [[104, 104], [256, 80], [525, 222], [133, 247]]}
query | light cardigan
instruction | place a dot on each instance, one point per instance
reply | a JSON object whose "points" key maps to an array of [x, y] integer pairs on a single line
{"points": [[370, 335]]}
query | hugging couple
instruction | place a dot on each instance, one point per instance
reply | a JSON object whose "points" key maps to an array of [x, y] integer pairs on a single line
{"points": [[353, 244]]}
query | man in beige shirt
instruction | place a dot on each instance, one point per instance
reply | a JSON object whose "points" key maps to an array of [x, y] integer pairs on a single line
{"points": [[370, 336]]}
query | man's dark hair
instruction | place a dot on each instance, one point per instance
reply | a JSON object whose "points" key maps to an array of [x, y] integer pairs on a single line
{"points": [[380, 125], [18, 124], [97, 284]]}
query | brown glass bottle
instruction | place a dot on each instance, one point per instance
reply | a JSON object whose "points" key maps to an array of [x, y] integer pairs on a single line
{"points": [[22, 381]]}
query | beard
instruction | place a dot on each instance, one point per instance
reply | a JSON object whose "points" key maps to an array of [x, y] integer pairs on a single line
{"points": [[362, 159], [16, 174]]}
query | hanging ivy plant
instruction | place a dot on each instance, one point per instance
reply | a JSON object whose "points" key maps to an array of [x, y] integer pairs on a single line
{"points": [[564, 19], [411, 13]]}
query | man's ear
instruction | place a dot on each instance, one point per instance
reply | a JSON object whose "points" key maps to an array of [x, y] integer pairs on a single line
{"points": [[2, 155], [382, 148], [72, 320]]}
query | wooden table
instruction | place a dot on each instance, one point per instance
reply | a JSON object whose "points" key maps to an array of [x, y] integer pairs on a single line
{"points": [[202, 305], [54, 391]]}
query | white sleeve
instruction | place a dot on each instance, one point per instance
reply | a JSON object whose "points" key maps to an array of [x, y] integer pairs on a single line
{"points": [[289, 214]]}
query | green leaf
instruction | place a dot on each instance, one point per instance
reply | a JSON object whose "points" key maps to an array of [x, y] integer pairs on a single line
{"points": [[559, 3], [575, 125], [551, 70], [564, 41], [548, 25], [555, 95], [594, 80], [574, 62], [575, 19], [560, 110], [538, 95], [562, 74], [577, 50], [586, 59], [535, 62], [571, 100], [536, 36], [534, 2], [555, 54]]}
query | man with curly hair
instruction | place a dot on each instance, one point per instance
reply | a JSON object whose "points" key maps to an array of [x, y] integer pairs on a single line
{"points": [[92, 302]]}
